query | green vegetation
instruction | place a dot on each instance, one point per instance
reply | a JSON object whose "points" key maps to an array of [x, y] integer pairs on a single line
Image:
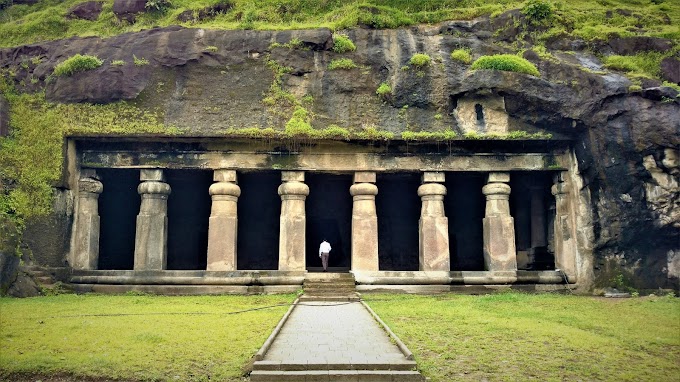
{"points": [[117, 63], [24, 24], [140, 61], [77, 63], [420, 60], [299, 124], [463, 55], [342, 43], [294, 43], [446, 135], [566, 338], [211, 49], [342, 63], [506, 62], [384, 90], [646, 64], [136, 337]]}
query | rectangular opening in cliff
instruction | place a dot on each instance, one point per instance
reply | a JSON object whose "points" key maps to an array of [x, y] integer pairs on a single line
{"points": [[329, 216], [398, 209], [188, 213], [464, 204], [533, 209], [259, 208], [118, 209]]}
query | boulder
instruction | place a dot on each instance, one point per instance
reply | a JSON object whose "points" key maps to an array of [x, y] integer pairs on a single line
{"points": [[195, 15], [89, 10], [670, 69], [635, 44], [128, 9], [24, 286]]}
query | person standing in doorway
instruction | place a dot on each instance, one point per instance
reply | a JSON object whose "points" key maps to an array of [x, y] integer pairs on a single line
{"points": [[324, 252]]}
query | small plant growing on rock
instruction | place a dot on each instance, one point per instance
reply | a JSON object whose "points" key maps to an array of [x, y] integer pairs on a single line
{"points": [[506, 62], [342, 63], [117, 63], [384, 90], [77, 63], [420, 60], [140, 61], [158, 5], [462, 55], [342, 44], [210, 48]]}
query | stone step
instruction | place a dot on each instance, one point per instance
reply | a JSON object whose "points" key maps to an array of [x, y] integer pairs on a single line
{"points": [[44, 279], [336, 375], [405, 365], [325, 276], [329, 286], [330, 297]]}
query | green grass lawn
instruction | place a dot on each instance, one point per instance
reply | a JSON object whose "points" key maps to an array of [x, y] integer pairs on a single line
{"points": [[135, 337], [519, 337]]}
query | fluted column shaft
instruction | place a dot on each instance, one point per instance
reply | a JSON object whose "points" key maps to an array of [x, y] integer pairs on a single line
{"points": [[86, 243], [223, 222], [433, 225], [565, 242], [499, 231], [151, 238], [364, 223], [292, 237]]}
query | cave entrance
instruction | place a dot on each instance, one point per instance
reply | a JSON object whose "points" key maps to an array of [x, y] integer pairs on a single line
{"points": [[188, 217], [464, 205], [398, 209], [118, 208], [533, 208], [259, 209], [329, 216]]}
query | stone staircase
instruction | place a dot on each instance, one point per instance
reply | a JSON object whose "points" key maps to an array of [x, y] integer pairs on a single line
{"points": [[45, 278], [329, 287], [275, 372]]}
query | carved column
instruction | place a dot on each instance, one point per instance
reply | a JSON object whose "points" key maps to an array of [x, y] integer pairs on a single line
{"points": [[223, 222], [564, 241], [364, 222], [433, 224], [292, 237], [499, 230], [86, 243], [151, 240]]}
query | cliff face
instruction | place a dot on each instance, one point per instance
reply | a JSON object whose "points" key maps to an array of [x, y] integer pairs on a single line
{"points": [[205, 82]]}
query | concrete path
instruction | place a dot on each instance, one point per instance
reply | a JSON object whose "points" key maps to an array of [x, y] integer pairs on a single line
{"points": [[331, 341]]}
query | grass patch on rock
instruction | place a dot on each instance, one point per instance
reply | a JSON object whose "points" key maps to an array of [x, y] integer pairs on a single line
{"points": [[546, 337], [136, 337], [506, 62], [77, 63]]}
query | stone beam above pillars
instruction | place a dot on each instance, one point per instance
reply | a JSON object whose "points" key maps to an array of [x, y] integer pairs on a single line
{"points": [[364, 222], [565, 241], [433, 224], [151, 238], [223, 222], [292, 238], [499, 230], [86, 239]]}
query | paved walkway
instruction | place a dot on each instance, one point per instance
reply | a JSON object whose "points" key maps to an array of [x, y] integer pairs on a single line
{"points": [[334, 334]]}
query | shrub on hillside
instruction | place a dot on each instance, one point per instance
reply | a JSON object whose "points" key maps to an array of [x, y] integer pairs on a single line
{"points": [[77, 63], [506, 62], [342, 63], [538, 10], [420, 60], [342, 44], [462, 55]]}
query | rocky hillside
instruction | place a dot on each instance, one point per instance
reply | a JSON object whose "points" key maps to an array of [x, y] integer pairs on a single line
{"points": [[615, 97]]}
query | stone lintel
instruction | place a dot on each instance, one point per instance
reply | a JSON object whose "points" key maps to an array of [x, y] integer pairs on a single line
{"points": [[433, 177], [364, 177], [153, 174], [224, 175], [499, 177], [292, 176]]}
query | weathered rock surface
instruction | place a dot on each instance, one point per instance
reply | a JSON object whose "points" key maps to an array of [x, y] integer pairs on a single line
{"points": [[670, 69], [205, 13], [128, 9], [205, 81], [88, 10]]}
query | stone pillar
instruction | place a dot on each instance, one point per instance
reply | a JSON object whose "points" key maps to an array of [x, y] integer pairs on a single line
{"points": [[433, 224], [151, 240], [499, 230], [86, 243], [292, 237], [223, 222], [564, 240], [364, 222]]}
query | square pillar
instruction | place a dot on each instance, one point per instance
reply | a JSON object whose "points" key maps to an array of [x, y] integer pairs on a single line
{"points": [[223, 222], [499, 230], [364, 222], [86, 243], [292, 233], [151, 238], [433, 226], [564, 240]]}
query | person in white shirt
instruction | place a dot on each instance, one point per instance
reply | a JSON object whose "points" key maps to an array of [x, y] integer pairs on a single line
{"points": [[324, 252]]}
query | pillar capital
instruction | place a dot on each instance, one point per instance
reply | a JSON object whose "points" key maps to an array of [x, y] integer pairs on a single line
{"points": [[153, 188], [292, 176], [364, 177], [432, 189], [90, 186], [496, 191], [148, 174], [224, 175], [293, 190], [433, 177], [498, 177], [360, 189], [224, 188]]}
